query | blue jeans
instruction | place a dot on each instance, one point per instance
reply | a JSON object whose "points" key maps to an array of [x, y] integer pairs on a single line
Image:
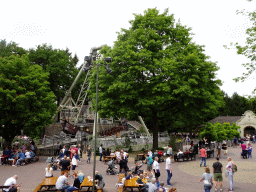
{"points": [[89, 159], [230, 178], [207, 189], [203, 159], [100, 156], [19, 160], [169, 176], [64, 187], [70, 189]]}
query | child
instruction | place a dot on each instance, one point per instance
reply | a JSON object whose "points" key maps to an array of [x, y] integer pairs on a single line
{"points": [[162, 186]]}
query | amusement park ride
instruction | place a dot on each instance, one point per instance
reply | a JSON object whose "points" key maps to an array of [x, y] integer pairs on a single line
{"points": [[70, 110]]}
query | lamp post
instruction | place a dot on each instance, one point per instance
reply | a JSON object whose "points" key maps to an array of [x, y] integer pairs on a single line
{"points": [[89, 62]]}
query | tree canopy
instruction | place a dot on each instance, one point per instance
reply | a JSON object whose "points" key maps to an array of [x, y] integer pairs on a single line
{"points": [[26, 100], [60, 65], [219, 132], [159, 74]]}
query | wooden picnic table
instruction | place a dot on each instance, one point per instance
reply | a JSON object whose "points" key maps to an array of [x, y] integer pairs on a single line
{"points": [[131, 183], [47, 182], [110, 157], [87, 183]]}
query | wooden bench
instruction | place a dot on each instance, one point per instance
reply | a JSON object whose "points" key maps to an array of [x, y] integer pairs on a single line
{"points": [[4, 187], [185, 157]]}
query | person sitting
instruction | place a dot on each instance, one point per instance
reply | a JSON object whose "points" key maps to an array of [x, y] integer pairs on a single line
{"points": [[76, 184], [21, 157], [48, 171], [101, 183], [62, 182], [129, 176], [152, 187], [186, 152], [5, 155], [80, 176], [140, 182], [108, 152], [137, 168], [180, 154], [27, 156], [11, 182], [162, 186]]}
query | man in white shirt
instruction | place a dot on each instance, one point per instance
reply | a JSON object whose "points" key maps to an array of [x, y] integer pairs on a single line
{"points": [[62, 182], [100, 151], [168, 167], [10, 182]]}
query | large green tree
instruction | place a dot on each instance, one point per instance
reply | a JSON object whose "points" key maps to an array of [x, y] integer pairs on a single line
{"points": [[159, 74], [26, 101]]}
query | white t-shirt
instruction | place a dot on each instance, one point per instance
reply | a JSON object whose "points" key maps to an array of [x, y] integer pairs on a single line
{"points": [[150, 154], [61, 182], [124, 154], [9, 182], [118, 155], [156, 165], [27, 154], [48, 173], [168, 162], [100, 149], [74, 160]]}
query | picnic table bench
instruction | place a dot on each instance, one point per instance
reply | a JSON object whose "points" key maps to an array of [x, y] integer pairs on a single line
{"points": [[132, 184], [4, 187], [109, 158], [185, 157]]}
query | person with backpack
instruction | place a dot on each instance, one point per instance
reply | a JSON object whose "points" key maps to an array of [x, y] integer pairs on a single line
{"points": [[149, 162], [230, 171], [207, 177]]}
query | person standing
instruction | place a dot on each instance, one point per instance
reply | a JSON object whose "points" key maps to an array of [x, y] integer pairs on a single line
{"points": [[249, 148], [225, 148], [100, 151], [230, 173], [217, 171], [89, 154], [218, 150], [80, 152], [203, 156], [74, 161], [156, 168], [64, 165], [149, 162], [207, 177], [168, 167], [58, 148]]}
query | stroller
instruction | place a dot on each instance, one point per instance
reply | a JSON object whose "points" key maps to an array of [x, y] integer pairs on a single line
{"points": [[110, 170], [137, 171], [52, 162]]}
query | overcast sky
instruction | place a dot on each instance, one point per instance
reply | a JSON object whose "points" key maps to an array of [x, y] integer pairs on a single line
{"points": [[80, 25]]}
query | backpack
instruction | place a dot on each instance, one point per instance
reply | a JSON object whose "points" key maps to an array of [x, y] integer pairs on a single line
{"points": [[234, 168], [150, 161]]}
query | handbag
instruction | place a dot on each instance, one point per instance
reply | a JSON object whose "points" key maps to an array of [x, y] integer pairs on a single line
{"points": [[208, 183]]}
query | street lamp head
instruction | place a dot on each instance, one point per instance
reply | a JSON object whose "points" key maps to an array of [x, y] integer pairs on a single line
{"points": [[108, 59], [87, 58]]}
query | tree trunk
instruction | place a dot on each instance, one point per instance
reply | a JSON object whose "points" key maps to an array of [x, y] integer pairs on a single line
{"points": [[155, 130]]}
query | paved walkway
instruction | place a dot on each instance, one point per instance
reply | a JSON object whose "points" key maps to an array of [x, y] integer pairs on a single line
{"points": [[185, 174]]}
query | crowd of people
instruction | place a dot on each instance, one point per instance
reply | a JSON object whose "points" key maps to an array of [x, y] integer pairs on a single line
{"points": [[17, 154], [68, 159]]}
